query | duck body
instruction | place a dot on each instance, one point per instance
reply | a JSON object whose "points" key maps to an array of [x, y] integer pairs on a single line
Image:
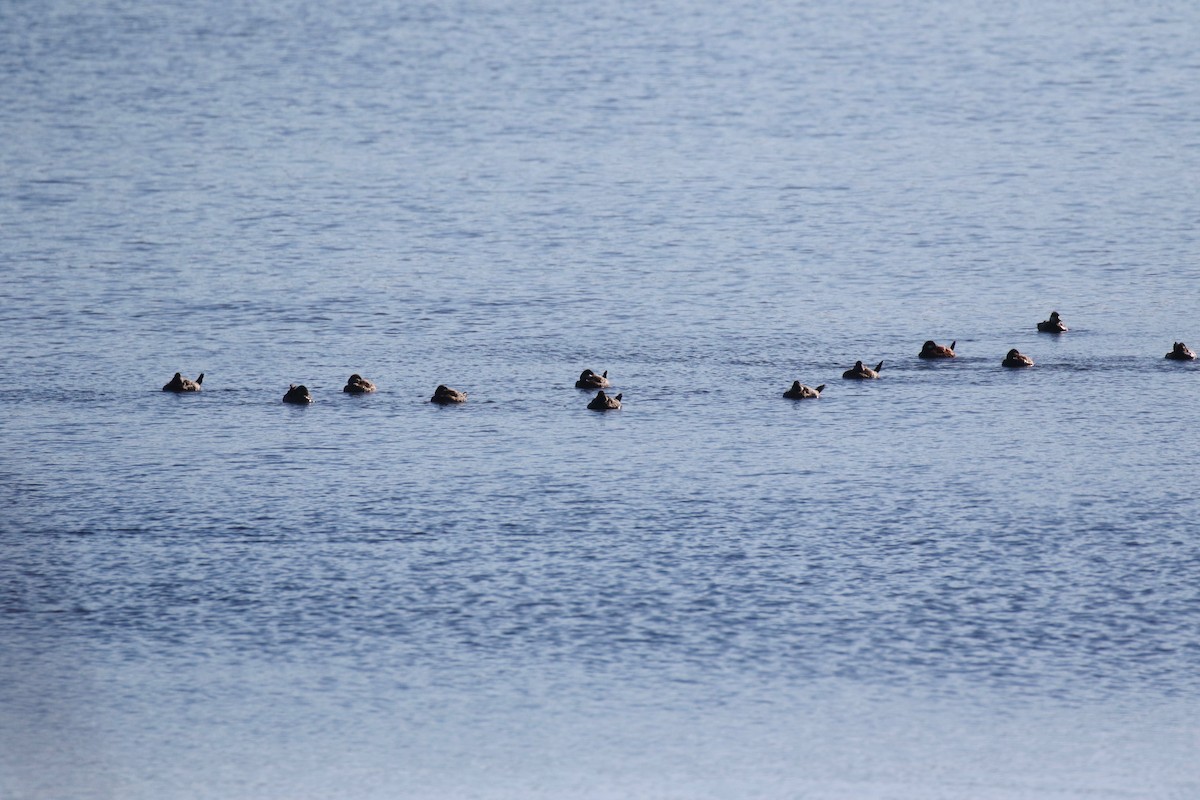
{"points": [[298, 395], [590, 380], [860, 372], [1180, 352], [182, 384], [1052, 325], [602, 402], [933, 350], [445, 396], [801, 392], [1017, 359], [357, 384]]}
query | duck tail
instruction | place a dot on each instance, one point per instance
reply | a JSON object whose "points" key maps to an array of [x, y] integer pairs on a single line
{"points": [[879, 366], [618, 397], [200, 380], [953, 343], [820, 388]]}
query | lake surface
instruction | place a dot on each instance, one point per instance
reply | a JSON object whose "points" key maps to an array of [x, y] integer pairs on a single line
{"points": [[958, 581]]}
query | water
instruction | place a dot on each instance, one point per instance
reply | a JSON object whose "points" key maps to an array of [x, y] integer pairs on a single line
{"points": [[958, 581]]}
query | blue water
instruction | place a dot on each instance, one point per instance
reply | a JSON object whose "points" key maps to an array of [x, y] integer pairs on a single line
{"points": [[958, 581]]}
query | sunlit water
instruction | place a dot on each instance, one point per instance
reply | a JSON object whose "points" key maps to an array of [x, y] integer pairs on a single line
{"points": [[958, 581]]}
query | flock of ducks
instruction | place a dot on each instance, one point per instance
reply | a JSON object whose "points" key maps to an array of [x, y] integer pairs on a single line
{"points": [[442, 396], [589, 380]]}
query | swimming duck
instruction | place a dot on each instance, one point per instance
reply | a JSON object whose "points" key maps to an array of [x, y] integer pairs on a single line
{"points": [[801, 392], [445, 396], [357, 384], [1052, 325], [1016, 358], [933, 350], [298, 395], [602, 402], [590, 380], [1180, 352], [182, 384], [860, 373]]}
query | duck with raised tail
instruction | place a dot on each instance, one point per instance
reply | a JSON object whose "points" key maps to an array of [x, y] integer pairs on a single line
{"points": [[602, 402], [932, 349], [182, 384], [859, 372], [590, 380], [801, 392]]}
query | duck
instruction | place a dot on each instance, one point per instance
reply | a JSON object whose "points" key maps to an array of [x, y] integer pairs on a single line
{"points": [[297, 395], [590, 380], [357, 384], [602, 402], [445, 396], [182, 384], [1052, 325], [1180, 352], [801, 392], [1016, 358], [861, 373], [932, 349]]}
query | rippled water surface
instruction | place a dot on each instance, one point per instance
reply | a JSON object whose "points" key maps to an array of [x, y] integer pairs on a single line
{"points": [[958, 581]]}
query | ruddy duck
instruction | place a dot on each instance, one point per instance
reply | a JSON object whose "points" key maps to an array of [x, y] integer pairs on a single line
{"points": [[860, 373], [801, 392], [590, 380], [1052, 325], [602, 402], [445, 396], [1016, 358], [298, 395], [357, 384], [182, 384], [933, 350], [1180, 352]]}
